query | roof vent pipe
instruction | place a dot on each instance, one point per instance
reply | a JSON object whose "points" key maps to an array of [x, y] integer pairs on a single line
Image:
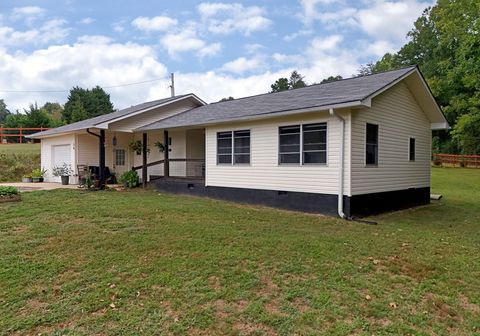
{"points": [[340, 163]]}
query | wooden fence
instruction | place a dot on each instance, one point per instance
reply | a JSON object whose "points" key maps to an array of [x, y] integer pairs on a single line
{"points": [[454, 160], [17, 135]]}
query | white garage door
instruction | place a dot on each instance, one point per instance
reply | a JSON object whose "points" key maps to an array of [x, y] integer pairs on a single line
{"points": [[61, 154]]}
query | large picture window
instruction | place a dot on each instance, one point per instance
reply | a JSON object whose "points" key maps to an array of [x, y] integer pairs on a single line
{"points": [[371, 146], [233, 147], [303, 144]]}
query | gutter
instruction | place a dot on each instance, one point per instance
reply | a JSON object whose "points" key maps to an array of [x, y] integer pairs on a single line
{"points": [[340, 168]]}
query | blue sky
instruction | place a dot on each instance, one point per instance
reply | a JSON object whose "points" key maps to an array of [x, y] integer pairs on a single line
{"points": [[216, 49]]}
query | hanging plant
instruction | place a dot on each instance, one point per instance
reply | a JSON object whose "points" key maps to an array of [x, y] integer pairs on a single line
{"points": [[160, 146], [136, 146]]}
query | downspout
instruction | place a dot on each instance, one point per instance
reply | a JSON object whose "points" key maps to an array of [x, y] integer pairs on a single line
{"points": [[340, 168]]}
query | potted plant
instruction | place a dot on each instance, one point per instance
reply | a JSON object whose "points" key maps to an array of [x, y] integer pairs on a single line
{"points": [[129, 179], [37, 175], [136, 146], [9, 194], [64, 172], [27, 178], [160, 146]]}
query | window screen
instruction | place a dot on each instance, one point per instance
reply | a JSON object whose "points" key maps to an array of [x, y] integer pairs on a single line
{"points": [[241, 150], [289, 144], [224, 147], [315, 143]]}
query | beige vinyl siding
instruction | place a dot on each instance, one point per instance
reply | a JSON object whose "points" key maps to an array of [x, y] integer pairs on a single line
{"points": [[399, 118], [46, 158], [148, 117], [264, 171]]}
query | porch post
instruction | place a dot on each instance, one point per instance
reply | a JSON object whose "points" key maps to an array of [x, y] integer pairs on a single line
{"points": [[102, 158], [166, 165], [144, 162]]}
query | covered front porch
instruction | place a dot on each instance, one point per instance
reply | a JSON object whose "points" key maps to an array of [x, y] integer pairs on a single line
{"points": [[156, 154]]}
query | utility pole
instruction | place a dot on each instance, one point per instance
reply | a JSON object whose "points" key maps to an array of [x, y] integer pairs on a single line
{"points": [[172, 86]]}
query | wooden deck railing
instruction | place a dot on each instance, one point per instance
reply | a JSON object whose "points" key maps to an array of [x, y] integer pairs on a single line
{"points": [[7, 134], [190, 171], [455, 160]]}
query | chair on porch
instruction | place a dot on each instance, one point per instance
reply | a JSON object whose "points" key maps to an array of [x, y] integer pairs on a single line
{"points": [[82, 172]]}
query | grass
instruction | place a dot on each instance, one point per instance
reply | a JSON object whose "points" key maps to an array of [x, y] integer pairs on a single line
{"points": [[17, 160], [20, 148], [129, 263]]}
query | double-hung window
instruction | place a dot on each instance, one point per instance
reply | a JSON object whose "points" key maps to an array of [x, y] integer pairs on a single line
{"points": [[303, 144], [289, 143], [371, 145], [233, 147]]}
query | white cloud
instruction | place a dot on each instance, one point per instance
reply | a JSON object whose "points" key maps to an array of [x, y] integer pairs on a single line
{"points": [[210, 50], [187, 40], [88, 62], [328, 43], [87, 21], [390, 20], [157, 23], [226, 18], [27, 13], [242, 65], [51, 31]]}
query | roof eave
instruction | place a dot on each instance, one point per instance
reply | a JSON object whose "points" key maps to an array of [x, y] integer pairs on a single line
{"points": [[351, 104], [105, 124]]}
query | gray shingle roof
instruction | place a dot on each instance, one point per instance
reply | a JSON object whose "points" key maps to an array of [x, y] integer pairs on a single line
{"points": [[328, 94], [92, 122]]}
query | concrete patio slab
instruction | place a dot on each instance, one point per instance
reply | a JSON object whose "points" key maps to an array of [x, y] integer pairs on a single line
{"points": [[38, 186]]}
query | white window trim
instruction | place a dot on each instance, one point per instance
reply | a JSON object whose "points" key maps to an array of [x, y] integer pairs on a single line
{"points": [[371, 165], [301, 162], [415, 149], [233, 148]]}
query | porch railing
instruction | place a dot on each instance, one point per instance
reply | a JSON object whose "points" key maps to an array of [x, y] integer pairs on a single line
{"points": [[182, 167]]}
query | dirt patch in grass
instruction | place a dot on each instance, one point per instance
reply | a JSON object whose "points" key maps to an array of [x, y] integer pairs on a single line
{"points": [[468, 306], [245, 328]]}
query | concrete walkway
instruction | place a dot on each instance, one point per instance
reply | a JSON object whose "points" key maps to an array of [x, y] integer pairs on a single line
{"points": [[38, 186]]}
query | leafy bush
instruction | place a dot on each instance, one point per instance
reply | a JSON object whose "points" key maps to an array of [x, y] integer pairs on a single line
{"points": [[8, 191], [37, 172], [13, 165], [130, 178], [64, 170]]}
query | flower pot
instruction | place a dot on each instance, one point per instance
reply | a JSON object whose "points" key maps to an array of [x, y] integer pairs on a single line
{"points": [[65, 180], [26, 179]]}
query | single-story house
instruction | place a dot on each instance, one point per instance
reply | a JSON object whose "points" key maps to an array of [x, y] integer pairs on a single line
{"points": [[353, 146]]}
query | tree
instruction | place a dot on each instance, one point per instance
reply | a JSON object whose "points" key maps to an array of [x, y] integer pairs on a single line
{"points": [[93, 103], [445, 44], [331, 79], [4, 112], [280, 84], [466, 133], [226, 99], [35, 117], [284, 84], [296, 80]]}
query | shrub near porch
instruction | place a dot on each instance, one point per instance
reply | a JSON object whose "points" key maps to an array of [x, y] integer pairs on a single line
{"points": [[147, 263]]}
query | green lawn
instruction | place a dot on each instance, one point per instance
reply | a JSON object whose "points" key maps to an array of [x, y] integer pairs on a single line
{"points": [[20, 148], [144, 263]]}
